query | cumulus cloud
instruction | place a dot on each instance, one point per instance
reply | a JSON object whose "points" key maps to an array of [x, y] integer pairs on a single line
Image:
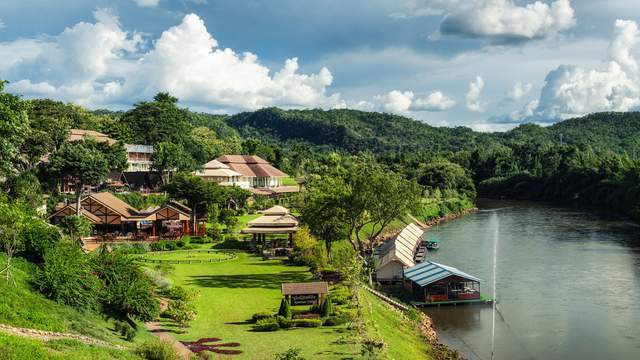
{"points": [[571, 91], [404, 102], [100, 64], [147, 3], [474, 102], [498, 18], [518, 91]]}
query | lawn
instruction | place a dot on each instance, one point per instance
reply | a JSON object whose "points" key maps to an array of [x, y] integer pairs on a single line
{"points": [[231, 292], [289, 181]]}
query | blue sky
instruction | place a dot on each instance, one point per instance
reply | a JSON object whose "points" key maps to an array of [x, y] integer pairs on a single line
{"points": [[486, 64]]}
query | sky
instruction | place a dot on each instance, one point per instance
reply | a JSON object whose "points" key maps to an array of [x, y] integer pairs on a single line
{"points": [[486, 64]]}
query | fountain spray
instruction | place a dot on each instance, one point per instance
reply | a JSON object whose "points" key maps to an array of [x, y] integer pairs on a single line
{"points": [[496, 224]]}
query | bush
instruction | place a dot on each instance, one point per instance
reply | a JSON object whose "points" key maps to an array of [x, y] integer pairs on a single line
{"points": [[182, 312], [157, 350], [214, 232], [180, 243], [285, 309], [341, 296], [285, 323], [336, 320], [181, 293], [307, 322], [261, 315], [164, 245], [76, 226], [127, 290], [125, 329], [39, 238], [267, 324], [291, 354], [67, 277], [200, 240], [327, 307]]}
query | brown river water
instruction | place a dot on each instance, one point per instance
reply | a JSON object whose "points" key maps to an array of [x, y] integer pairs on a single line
{"points": [[568, 283]]}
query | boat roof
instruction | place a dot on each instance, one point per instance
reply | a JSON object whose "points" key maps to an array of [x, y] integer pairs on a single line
{"points": [[429, 272]]}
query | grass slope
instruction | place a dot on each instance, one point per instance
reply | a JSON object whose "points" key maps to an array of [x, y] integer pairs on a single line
{"points": [[22, 306], [231, 292], [402, 337]]}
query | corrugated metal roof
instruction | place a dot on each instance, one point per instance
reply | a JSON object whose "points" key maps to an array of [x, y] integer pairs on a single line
{"points": [[429, 272], [402, 247]]}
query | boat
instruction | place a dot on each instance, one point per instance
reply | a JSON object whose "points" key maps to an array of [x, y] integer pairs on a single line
{"points": [[432, 244]]}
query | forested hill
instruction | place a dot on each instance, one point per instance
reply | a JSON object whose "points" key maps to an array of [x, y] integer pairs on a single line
{"points": [[354, 131]]}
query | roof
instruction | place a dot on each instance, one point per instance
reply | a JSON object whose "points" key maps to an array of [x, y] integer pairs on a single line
{"points": [[214, 164], [429, 272], [274, 190], [317, 287], [94, 219], [269, 230], [276, 210], [139, 148], [79, 134], [402, 247], [274, 221], [217, 172], [250, 165], [117, 205]]}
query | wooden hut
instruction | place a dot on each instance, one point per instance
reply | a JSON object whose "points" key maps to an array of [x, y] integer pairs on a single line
{"points": [[431, 282]]}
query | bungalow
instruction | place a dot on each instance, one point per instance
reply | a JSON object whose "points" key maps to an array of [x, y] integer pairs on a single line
{"points": [[254, 170], [398, 254], [112, 216], [222, 174]]}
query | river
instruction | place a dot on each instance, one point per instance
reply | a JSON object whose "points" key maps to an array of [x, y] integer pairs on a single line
{"points": [[568, 283]]}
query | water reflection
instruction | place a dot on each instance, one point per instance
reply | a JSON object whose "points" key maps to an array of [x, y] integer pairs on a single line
{"points": [[568, 284]]}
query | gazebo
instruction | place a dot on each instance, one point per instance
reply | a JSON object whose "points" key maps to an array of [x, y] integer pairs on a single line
{"points": [[274, 221]]}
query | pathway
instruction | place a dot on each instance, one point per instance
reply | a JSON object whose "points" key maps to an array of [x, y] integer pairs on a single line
{"points": [[156, 329], [52, 335]]}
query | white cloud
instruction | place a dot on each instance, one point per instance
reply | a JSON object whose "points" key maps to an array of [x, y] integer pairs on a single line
{"points": [[147, 3], [626, 35], [474, 103], [2, 24], [405, 102], [100, 64], [518, 91], [436, 101], [498, 18]]}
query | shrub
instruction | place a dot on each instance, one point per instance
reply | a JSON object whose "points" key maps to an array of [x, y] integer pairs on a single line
{"points": [[327, 307], [261, 315], [284, 322], [180, 243], [285, 309], [157, 350], [125, 329], [127, 290], [181, 293], [341, 295], [171, 245], [182, 312], [67, 277], [291, 354], [214, 232], [39, 238], [76, 226], [307, 322], [200, 240], [413, 314], [336, 320], [267, 324]]}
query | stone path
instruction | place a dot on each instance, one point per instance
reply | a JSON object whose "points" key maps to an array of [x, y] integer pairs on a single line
{"points": [[52, 335]]}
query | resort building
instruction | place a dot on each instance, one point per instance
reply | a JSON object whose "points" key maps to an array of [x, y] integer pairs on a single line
{"points": [[139, 158], [255, 170], [222, 174], [398, 254], [112, 218], [431, 282], [79, 134]]}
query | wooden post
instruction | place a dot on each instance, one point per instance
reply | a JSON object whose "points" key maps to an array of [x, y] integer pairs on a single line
{"points": [[153, 228]]}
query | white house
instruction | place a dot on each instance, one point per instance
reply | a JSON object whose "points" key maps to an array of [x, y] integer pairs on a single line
{"points": [[222, 174]]}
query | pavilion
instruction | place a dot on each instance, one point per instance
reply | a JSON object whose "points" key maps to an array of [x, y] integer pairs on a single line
{"points": [[274, 221], [431, 282]]}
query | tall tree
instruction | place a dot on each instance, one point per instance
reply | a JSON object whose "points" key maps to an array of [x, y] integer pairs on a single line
{"points": [[82, 162], [158, 121], [168, 158], [195, 191], [14, 129], [13, 219]]}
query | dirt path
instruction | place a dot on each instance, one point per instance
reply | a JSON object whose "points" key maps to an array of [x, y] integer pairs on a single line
{"points": [[52, 335], [157, 330]]}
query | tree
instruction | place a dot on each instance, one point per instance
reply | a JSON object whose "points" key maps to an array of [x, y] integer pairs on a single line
{"points": [[13, 219], [39, 238], [445, 175], [195, 191], [307, 250], [169, 157], [324, 211], [158, 121], [14, 127], [25, 187], [327, 307], [83, 162], [285, 309], [76, 227]]}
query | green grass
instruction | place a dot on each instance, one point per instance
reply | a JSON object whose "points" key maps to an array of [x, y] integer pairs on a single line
{"points": [[231, 292], [19, 348], [187, 255], [402, 337], [289, 181]]}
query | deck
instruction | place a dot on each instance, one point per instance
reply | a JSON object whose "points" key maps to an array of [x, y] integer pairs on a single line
{"points": [[484, 300]]}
